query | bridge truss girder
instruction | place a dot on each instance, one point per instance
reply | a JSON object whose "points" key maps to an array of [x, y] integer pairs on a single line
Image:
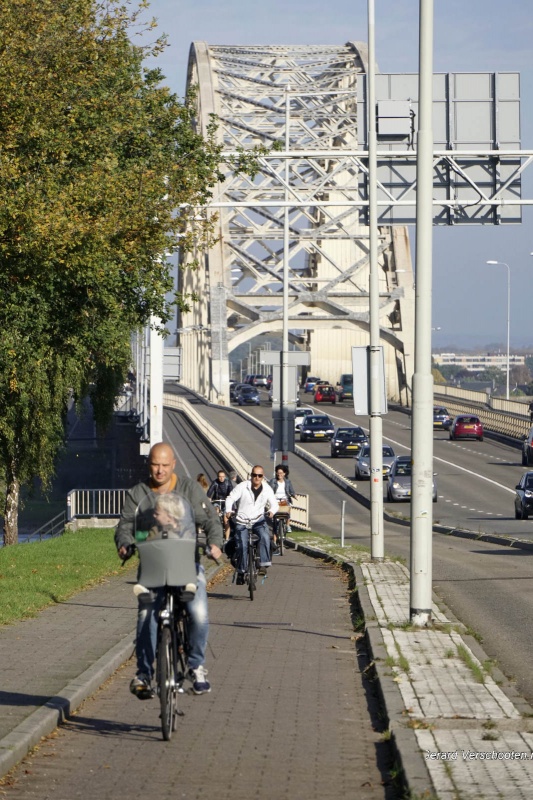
{"points": [[306, 97]]}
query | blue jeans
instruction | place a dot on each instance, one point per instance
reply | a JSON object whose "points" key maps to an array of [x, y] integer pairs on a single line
{"points": [[146, 643], [241, 532]]}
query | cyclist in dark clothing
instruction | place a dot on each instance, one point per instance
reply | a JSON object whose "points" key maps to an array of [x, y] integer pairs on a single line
{"points": [[218, 491], [220, 487]]}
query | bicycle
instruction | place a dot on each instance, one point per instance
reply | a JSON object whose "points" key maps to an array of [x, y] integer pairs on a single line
{"points": [[251, 574], [281, 520], [170, 565], [253, 560], [219, 506]]}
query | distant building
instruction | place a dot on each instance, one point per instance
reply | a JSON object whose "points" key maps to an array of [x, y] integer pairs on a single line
{"points": [[477, 363]]}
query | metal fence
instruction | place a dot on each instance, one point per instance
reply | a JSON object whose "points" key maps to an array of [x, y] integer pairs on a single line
{"points": [[95, 503], [54, 527]]}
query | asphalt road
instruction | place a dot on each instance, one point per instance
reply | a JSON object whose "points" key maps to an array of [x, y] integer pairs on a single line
{"points": [[488, 587]]}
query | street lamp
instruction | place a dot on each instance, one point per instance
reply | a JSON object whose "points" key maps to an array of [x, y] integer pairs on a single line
{"points": [[503, 264]]}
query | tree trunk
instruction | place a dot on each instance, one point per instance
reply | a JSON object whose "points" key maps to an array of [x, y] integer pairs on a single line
{"points": [[11, 515]]}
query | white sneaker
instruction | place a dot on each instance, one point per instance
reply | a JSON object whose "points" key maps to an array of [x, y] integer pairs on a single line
{"points": [[140, 589], [200, 684]]}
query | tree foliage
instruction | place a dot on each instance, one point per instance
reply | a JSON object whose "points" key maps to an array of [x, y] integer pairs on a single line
{"points": [[96, 155]]}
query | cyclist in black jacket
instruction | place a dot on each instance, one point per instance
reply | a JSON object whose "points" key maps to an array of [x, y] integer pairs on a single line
{"points": [[219, 490], [220, 487]]}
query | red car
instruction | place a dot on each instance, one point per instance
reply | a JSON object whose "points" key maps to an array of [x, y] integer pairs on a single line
{"points": [[466, 426], [325, 394]]}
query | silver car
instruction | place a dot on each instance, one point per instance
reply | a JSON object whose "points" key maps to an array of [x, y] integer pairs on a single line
{"points": [[399, 486], [362, 462]]}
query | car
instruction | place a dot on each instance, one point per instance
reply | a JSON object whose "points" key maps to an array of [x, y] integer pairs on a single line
{"points": [[234, 390], [318, 384], [317, 427], [309, 384], [362, 461], [325, 394], [299, 416], [527, 449], [348, 441], [344, 392], [466, 426], [441, 418], [523, 499], [248, 395], [399, 483], [259, 380]]}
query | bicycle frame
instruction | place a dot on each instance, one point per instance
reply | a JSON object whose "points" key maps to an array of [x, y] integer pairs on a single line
{"points": [[253, 540]]}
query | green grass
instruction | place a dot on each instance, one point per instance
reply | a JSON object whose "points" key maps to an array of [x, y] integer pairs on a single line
{"points": [[465, 656], [36, 575], [350, 552]]}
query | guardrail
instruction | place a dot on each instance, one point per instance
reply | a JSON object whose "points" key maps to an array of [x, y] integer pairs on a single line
{"points": [[95, 503], [494, 420], [54, 527], [516, 407]]}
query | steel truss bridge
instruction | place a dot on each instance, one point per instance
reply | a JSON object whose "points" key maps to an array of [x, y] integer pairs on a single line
{"points": [[303, 206]]}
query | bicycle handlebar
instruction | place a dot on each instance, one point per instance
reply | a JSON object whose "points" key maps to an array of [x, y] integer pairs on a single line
{"points": [[131, 548]]}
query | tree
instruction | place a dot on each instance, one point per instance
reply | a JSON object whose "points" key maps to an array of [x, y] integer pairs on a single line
{"points": [[520, 374], [95, 156]]}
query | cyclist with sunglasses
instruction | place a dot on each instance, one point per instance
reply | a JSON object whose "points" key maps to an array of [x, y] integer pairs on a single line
{"points": [[255, 500]]}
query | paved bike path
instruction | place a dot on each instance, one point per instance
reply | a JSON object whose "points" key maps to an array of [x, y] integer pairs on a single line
{"points": [[289, 715]]}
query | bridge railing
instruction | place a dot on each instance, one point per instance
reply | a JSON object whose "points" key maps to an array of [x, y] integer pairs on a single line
{"points": [[95, 503], [511, 406]]}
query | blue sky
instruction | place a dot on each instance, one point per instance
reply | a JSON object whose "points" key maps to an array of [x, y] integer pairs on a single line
{"points": [[469, 297]]}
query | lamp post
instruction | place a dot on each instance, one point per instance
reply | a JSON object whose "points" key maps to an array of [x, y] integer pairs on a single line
{"points": [[503, 264]]}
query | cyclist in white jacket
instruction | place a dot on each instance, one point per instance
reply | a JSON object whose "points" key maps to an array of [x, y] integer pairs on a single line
{"points": [[255, 498]]}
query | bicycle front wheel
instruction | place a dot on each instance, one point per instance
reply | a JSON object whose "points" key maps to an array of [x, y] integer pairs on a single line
{"points": [[251, 570], [166, 682], [281, 535]]}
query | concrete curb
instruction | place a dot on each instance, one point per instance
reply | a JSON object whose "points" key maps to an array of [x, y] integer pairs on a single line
{"points": [[416, 776], [16, 745]]}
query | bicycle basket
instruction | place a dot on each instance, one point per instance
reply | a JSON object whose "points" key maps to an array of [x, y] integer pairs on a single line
{"points": [[167, 562]]}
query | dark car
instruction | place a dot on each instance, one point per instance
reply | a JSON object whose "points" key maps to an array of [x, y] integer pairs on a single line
{"points": [[309, 384], [248, 396], [325, 394], [441, 418], [316, 427], [345, 392], [234, 391], [466, 426], [527, 449], [348, 441], [523, 499]]}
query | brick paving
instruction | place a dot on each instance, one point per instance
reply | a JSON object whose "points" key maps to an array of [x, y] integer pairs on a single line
{"points": [[290, 715]]}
